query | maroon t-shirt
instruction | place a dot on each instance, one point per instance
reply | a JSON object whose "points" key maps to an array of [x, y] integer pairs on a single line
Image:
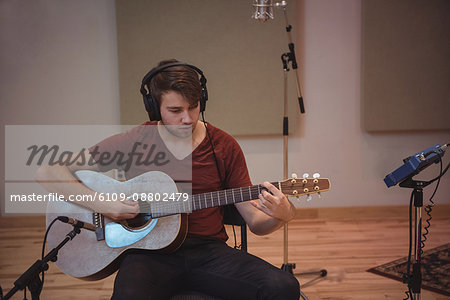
{"points": [[201, 164]]}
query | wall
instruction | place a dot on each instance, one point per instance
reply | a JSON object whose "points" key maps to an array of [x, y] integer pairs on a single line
{"points": [[59, 66]]}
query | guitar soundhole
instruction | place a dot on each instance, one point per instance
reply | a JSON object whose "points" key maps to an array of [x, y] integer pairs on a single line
{"points": [[139, 221]]}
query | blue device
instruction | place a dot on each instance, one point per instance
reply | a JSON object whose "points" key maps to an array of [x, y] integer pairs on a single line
{"points": [[414, 164]]}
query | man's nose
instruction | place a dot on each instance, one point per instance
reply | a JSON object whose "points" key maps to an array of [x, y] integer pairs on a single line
{"points": [[186, 117]]}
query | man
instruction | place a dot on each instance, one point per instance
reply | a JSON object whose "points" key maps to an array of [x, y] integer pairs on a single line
{"points": [[204, 262]]}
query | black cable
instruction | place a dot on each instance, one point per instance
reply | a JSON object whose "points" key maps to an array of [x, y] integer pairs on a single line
{"points": [[407, 276], [442, 172], [429, 207], [407, 293], [222, 184]]}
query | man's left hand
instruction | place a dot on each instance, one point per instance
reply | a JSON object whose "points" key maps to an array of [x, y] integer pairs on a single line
{"points": [[275, 203]]}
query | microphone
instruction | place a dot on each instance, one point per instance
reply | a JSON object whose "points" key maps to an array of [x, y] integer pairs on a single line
{"points": [[77, 223], [264, 9]]}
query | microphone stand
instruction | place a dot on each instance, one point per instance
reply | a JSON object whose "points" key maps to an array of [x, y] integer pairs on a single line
{"points": [[31, 278], [286, 58], [414, 279]]}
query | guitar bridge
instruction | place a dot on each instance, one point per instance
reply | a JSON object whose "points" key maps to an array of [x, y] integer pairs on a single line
{"points": [[99, 222]]}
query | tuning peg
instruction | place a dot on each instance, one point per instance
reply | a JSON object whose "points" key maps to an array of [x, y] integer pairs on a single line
{"points": [[294, 178], [319, 195], [305, 176], [316, 178], [309, 198]]}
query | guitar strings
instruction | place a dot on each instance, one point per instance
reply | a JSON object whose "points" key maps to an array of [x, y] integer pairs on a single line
{"points": [[207, 200]]}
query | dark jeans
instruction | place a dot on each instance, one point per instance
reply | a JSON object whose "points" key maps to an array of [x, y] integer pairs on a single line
{"points": [[207, 266]]}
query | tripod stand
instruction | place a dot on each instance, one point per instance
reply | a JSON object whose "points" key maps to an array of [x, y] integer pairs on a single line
{"points": [[415, 280], [30, 279]]}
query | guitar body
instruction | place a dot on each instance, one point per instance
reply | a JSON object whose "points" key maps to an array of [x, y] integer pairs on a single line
{"points": [[87, 258]]}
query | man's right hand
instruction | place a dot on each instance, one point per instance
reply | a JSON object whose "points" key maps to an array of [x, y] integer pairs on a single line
{"points": [[67, 184], [122, 210]]}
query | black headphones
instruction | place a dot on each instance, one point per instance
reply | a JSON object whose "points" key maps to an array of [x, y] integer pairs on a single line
{"points": [[152, 106]]}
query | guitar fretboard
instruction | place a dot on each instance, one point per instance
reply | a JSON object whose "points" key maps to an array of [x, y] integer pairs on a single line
{"points": [[225, 197], [210, 199]]}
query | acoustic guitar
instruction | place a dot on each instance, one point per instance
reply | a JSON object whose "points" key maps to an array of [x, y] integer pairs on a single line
{"points": [[161, 225]]}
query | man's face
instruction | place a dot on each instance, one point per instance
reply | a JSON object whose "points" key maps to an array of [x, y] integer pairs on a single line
{"points": [[176, 112]]}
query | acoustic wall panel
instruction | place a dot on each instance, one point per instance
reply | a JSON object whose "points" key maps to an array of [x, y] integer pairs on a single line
{"points": [[405, 65]]}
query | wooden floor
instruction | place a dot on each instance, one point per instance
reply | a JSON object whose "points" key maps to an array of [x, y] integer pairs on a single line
{"points": [[345, 241]]}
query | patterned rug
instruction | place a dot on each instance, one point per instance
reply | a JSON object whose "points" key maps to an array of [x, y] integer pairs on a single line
{"points": [[435, 269]]}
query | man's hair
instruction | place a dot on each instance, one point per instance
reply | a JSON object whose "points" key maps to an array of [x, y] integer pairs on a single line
{"points": [[181, 79]]}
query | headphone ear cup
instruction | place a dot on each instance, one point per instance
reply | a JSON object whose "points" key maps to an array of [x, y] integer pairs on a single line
{"points": [[203, 102], [152, 107], [204, 94]]}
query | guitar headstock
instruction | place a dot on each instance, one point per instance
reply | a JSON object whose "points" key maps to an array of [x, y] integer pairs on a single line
{"points": [[304, 186]]}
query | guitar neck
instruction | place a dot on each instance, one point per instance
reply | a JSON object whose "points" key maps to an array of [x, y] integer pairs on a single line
{"points": [[207, 200], [290, 187], [225, 197]]}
